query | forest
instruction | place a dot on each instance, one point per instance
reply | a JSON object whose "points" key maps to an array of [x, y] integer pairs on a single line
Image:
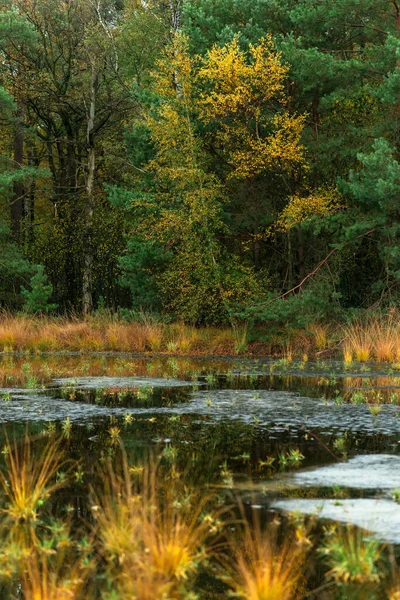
{"points": [[200, 299], [210, 162]]}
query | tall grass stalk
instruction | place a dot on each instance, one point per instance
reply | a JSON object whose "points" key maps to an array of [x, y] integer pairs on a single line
{"points": [[377, 337]]}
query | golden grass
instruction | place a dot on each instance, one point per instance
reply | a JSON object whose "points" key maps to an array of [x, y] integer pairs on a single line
{"points": [[153, 533], [29, 481], [320, 335], [376, 338], [264, 568], [57, 579], [46, 334]]}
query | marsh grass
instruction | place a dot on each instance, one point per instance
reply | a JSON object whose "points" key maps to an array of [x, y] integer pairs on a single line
{"points": [[29, 481], [263, 564], [154, 533], [45, 334], [56, 573], [375, 338], [35, 335], [320, 333]]}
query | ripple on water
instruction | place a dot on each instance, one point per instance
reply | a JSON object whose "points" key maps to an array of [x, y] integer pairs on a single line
{"points": [[279, 409]]}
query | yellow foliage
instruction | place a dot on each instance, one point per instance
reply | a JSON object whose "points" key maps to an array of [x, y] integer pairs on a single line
{"points": [[241, 86], [321, 202], [247, 90]]}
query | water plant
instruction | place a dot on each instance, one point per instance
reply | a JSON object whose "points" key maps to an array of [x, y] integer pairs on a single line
{"points": [[144, 393], [295, 457], [152, 536], [29, 480], [211, 379], [66, 427], [262, 567], [396, 495], [355, 563], [357, 398], [267, 462], [340, 444]]}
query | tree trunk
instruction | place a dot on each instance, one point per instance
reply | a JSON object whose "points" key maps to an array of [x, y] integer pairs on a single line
{"points": [[87, 288], [17, 202]]}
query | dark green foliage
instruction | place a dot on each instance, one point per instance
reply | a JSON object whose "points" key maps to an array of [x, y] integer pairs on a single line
{"points": [[37, 298], [15, 270], [142, 265], [318, 302], [157, 242]]}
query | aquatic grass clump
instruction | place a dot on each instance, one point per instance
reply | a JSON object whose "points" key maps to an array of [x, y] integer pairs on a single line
{"points": [[154, 533], [355, 563], [59, 572], [262, 566], [29, 481]]}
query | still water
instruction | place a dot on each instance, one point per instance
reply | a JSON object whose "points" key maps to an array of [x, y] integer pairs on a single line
{"points": [[279, 437]]}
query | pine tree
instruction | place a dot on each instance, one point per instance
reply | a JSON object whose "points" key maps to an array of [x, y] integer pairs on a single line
{"points": [[37, 299]]}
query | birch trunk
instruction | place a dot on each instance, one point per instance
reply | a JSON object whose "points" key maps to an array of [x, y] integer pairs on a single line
{"points": [[87, 288]]}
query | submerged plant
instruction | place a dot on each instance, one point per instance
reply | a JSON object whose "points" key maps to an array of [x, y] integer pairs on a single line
{"points": [[340, 445], [295, 457], [56, 572], [66, 427]]}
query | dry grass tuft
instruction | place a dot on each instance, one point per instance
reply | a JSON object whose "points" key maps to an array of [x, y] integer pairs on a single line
{"points": [[43, 334], [378, 337], [320, 335]]}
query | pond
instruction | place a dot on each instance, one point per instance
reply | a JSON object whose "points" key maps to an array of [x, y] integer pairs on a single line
{"points": [[313, 439]]}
